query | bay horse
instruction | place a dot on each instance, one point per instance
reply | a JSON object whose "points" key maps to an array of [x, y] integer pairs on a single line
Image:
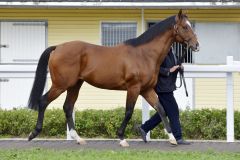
{"points": [[132, 66]]}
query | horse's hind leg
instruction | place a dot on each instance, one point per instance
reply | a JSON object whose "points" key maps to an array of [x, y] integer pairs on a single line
{"points": [[72, 95], [132, 95], [151, 97], [47, 98]]}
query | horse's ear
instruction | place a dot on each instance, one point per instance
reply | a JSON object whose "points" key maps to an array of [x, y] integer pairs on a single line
{"points": [[180, 14]]}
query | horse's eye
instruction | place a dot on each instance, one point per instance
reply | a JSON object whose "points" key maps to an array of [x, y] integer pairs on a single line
{"points": [[185, 27]]}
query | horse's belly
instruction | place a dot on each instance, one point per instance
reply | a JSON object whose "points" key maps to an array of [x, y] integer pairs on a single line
{"points": [[105, 85], [112, 82]]}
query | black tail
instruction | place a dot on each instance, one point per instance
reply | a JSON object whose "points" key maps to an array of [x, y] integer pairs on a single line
{"points": [[40, 79]]}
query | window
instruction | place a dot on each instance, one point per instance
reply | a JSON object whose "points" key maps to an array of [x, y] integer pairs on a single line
{"points": [[179, 49], [115, 33]]}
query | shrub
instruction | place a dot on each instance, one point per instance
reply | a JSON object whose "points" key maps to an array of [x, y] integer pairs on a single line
{"points": [[196, 124]]}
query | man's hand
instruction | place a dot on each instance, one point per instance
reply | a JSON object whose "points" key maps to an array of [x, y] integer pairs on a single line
{"points": [[174, 68]]}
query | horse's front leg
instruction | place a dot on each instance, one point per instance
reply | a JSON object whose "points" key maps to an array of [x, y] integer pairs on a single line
{"points": [[151, 97], [132, 95]]}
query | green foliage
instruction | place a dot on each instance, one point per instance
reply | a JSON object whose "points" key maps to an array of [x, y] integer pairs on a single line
{"points": [[204, 124], [196, 124], [54, 123], [104, 123]]}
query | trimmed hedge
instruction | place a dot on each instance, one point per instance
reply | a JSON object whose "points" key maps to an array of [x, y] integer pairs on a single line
{"points": [[196, 124]]}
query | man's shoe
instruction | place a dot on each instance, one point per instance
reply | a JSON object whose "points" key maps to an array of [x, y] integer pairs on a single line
{"points": [[183, 142], [143, 134]]}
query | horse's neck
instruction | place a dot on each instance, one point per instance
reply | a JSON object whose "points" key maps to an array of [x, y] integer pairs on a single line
{"points": [[159, 47]]}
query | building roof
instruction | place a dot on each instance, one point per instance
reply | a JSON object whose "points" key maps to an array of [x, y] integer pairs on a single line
{"points": [[121, 3], [212, 1]]}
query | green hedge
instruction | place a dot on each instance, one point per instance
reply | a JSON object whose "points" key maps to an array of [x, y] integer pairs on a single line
{"points": [[197, 124]]}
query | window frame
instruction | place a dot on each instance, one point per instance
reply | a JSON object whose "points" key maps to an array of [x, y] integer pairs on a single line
{"points": [[109, 21]]}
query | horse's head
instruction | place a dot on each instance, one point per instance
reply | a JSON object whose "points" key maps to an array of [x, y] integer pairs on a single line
{"points": [[184, 32]]}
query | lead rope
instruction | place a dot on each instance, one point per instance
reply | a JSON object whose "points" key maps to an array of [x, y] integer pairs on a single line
{"points": [[181, 72], [184, 82]]}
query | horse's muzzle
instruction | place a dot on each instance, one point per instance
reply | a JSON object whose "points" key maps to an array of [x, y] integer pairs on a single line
{"points": [[196, 48]]}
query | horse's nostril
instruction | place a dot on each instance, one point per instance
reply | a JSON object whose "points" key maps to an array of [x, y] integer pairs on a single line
{"points": [[197, 44]]}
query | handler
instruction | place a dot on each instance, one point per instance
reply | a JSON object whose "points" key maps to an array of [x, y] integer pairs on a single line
{"points": [[165, 86]]}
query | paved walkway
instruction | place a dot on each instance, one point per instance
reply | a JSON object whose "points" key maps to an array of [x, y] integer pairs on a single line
{"points": [[163, 145]]}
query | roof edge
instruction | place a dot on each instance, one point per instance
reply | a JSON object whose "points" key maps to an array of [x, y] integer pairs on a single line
{"points": [[163, 5]]}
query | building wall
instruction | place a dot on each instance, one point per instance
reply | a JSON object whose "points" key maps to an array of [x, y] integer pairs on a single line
{"points": [[211, 93], [80, 24], [237, 91], [84, 24]]}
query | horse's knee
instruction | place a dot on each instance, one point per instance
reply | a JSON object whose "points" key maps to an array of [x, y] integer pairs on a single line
{"points": [[68, 114], [67, 110], [128, 114]]}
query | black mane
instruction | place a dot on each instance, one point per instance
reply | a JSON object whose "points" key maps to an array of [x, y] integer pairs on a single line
{"points": [[152, 32]]}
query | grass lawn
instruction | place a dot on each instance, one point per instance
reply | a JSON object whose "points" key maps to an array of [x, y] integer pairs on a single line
{"points": [[125, 154]]}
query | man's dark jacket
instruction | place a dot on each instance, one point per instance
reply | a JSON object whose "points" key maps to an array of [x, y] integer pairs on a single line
{"points": [[166, 80]]}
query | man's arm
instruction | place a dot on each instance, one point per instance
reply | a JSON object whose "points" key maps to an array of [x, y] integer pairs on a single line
{"points": [[164, 71], [167, 71]]}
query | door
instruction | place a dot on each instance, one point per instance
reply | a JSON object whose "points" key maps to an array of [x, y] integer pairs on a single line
{"points": [[21, 44]]}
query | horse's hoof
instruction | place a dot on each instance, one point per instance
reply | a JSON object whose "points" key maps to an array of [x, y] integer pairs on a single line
{"points": [[81, 141], [30, 137], [123, 143], [172, 139]]}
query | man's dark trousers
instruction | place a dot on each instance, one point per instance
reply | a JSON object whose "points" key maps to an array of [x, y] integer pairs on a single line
{"points": [[171, 108]]}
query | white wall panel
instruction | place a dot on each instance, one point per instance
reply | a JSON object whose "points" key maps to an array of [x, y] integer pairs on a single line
{"points": [[217, 40], [25, 41], [14, 92]]}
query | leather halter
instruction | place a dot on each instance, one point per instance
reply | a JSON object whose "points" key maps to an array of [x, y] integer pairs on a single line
{"points": [[176, 33], [181, 72]]}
